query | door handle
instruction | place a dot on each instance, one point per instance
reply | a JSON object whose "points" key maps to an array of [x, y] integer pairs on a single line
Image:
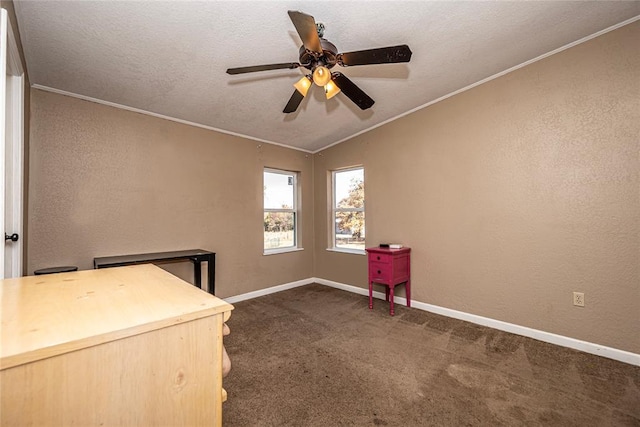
{"points": [[14, 237]]}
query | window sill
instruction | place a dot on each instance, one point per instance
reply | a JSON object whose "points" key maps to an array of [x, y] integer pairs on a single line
{"points": [[282, 251], [348, 251]]}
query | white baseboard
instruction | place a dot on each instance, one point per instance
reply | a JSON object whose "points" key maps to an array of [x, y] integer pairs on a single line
{"points": [[587, 347], [267, 291], [357, 290]]}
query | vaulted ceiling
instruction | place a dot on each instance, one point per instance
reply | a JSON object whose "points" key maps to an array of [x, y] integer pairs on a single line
{"points": [[169, 58]]}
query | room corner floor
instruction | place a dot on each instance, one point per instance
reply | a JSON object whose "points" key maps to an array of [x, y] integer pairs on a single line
{"points": [[317, 356]]}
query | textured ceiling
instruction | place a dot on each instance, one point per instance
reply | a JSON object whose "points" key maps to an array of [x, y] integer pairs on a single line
{"points": [[169, 58]]}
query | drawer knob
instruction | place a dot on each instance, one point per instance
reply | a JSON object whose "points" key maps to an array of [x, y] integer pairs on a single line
{"points": [[378, 258], [379, 271]]}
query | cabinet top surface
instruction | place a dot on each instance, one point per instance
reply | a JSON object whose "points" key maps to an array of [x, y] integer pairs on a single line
{"points": [[47, 315], [380, 250]]}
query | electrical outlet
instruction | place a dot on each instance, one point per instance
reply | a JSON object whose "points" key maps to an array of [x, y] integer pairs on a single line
{"points": [[578, 299]]}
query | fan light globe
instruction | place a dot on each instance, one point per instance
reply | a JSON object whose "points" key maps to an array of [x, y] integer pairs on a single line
{"points": [[331, 89], [321, 75], [303, 85]]}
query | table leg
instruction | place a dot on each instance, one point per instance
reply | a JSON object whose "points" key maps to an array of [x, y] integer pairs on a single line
{"points": [[386, 293], [408, 287], [211, 269], [370, 294], [391, 311], [197, 273]]}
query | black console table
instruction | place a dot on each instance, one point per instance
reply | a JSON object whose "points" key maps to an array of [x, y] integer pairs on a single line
{"points": [[197, 256]]}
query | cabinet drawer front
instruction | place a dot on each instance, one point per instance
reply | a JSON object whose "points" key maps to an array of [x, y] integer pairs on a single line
{"points": [[380, 258], [380, 271]]}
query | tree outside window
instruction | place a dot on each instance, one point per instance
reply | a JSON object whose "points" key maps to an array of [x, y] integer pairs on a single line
{"points": [[348, 209]]}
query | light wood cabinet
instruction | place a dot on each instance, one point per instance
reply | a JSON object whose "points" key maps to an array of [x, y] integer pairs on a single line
{"points": [[126, 346]]}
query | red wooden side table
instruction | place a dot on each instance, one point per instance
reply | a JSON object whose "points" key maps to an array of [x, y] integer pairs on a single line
{"points": [[389, 267]]}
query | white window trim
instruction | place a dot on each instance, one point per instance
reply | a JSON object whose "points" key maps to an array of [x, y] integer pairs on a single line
{"points": [[332, 228], [295, 211], [348, 251], [276, 251]]}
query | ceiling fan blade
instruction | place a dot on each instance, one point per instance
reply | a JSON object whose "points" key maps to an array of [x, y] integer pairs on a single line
{"points": [[294, 102], [306, 28], [383, 55], [352, 91], [253, 69]]}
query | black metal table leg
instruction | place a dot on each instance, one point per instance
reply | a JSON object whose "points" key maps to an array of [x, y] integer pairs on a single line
{"points": [[211, 267], [197, 272]]}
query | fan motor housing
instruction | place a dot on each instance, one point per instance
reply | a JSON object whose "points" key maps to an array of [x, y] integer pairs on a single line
{"points": [[310, 59]]}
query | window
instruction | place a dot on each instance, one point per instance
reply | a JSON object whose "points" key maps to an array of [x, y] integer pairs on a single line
{"points": [[280, 210], [347, 213]]}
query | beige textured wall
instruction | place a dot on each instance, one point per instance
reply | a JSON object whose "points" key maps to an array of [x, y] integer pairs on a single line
{"points": [[106, 181], [8, 5], [513, 195]]}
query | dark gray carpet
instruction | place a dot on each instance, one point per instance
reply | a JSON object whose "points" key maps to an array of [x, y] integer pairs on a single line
{"points": [[317, 356]]}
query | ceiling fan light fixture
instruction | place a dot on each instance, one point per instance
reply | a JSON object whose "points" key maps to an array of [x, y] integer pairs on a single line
{"points": [[331, 89], [321, 75], [320, 55], [303, 85]]}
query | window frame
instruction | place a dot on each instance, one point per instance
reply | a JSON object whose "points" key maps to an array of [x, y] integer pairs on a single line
{"points": [[334, 210], [295, 210]]}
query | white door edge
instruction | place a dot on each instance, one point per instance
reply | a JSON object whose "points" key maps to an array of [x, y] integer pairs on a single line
{"points": [[3, 91], [17, 141], [11, 68]]}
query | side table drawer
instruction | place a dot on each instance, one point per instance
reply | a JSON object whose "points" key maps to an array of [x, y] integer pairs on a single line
{"points": [[380, 258], [380, 271]]}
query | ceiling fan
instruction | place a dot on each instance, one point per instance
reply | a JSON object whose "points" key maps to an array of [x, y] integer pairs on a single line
{"points": [[319, 55]]}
